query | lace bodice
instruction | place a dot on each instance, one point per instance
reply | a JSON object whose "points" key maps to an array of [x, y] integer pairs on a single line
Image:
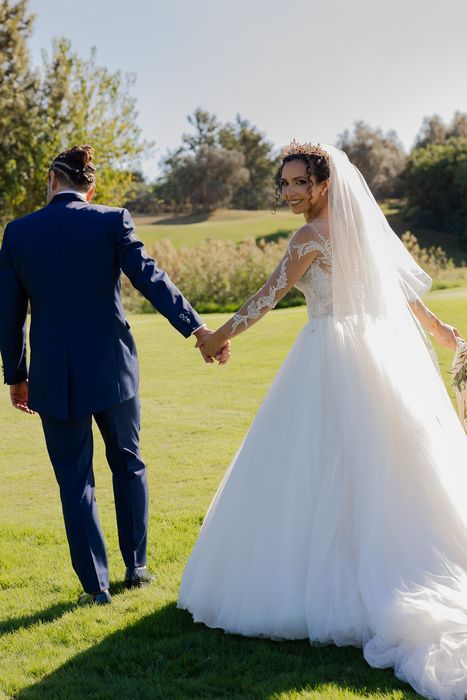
{"points": [[306, 264], [316, 283]]}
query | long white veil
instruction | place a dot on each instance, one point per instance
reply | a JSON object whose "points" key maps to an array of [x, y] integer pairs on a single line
{"points": [[418, 482], [375, 278], [372, 267]]}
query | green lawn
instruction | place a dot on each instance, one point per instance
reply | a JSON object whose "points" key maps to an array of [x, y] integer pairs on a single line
{"points": [[194, 417], [229, 224]]}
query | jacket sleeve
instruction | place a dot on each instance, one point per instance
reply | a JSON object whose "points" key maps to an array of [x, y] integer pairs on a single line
{"points": [[13, 315], [152, 282]]}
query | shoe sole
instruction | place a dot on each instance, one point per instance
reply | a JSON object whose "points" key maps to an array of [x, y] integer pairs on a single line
{"points": [[90, 603], [137, 584]]}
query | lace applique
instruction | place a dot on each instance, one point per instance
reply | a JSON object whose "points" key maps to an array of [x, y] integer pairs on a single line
{"points": [[324, 247], [254, 309], [283, 279]]}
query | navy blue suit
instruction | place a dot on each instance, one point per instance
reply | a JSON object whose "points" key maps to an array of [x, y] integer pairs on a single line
{"points": [[66, 260]]}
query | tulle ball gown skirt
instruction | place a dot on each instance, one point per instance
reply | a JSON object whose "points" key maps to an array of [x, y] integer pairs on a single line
{"points": [[343, 516]]}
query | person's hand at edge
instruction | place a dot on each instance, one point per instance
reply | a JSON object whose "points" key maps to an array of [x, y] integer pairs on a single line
{"points": [[19, 396]]}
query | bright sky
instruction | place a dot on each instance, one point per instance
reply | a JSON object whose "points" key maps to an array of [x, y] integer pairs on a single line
{"points": [[296, 68]]}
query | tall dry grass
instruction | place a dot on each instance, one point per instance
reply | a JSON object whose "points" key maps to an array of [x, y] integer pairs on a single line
{"points": [[220, 275]]}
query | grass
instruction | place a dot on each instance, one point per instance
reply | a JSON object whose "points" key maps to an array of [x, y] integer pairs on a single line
{"points": [[193, 419], [229, 224]]}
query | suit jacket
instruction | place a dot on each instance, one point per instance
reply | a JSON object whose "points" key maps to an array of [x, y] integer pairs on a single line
{"points": [[66, 260]]}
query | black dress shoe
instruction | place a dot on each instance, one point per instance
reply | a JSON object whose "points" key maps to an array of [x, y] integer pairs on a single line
{"points": [[101, 598], [137, 577]]}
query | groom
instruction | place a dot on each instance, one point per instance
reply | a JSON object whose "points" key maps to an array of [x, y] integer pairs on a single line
{"points": [[65, 260]]}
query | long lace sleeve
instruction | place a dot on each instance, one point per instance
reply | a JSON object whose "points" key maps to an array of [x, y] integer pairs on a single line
{"points": [[305, 245]]}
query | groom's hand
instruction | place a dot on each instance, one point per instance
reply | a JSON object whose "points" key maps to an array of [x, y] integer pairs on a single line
{"points": [[221, 354], [19, 397]]}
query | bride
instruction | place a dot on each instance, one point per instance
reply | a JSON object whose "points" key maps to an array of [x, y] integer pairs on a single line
{"points": [[343, 516]]}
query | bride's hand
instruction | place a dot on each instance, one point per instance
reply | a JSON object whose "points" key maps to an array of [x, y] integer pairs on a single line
{"points": [[214, 345], [446, 335]]}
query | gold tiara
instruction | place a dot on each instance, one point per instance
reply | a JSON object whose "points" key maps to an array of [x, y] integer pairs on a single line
{"points": [[308, 149]]}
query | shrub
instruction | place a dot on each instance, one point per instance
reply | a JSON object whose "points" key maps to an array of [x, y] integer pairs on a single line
{"points": [[217, 275], [433, 260], [220, 275]]}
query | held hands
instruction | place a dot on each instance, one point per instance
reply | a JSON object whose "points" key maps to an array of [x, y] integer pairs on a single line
{"points": [[211, 347], [19, 397]]}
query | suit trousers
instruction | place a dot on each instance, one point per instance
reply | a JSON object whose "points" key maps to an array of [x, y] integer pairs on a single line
{"points": [[70, 448]]}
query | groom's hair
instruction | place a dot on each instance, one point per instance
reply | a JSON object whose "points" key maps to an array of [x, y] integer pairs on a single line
{"points": [[74, 167]]}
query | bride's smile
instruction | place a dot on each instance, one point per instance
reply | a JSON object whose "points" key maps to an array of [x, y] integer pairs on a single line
{"points": [[302, 190]]}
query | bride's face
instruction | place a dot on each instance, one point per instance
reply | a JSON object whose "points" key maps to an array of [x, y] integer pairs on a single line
{"points": [[300, 194]]}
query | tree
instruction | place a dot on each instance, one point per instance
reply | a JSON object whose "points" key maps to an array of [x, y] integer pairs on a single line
{"points": [[71, 100], [141, 196], [19, 109], [458, 125], [85, 103], [178, 186], [436, 183], [206, 129], [245, 138], [206, 179], [380, 157], [238, 145], [436, 175], [435, 131]]}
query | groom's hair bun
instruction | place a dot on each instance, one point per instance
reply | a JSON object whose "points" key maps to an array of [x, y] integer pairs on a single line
{"points": [[75, 167]]}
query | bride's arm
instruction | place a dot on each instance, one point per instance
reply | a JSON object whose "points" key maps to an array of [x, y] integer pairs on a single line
{"points": [[444, 333], [301, 252]]}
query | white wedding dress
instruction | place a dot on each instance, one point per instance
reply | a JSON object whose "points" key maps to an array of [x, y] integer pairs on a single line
{"points": [[343, 516]]}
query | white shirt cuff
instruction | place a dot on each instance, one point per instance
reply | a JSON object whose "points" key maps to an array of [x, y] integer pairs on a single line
{"points": [[203, 325]]}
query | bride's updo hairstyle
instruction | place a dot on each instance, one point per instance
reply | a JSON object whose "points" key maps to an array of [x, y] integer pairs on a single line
{"points": [[74, 167], [316, 163]]}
